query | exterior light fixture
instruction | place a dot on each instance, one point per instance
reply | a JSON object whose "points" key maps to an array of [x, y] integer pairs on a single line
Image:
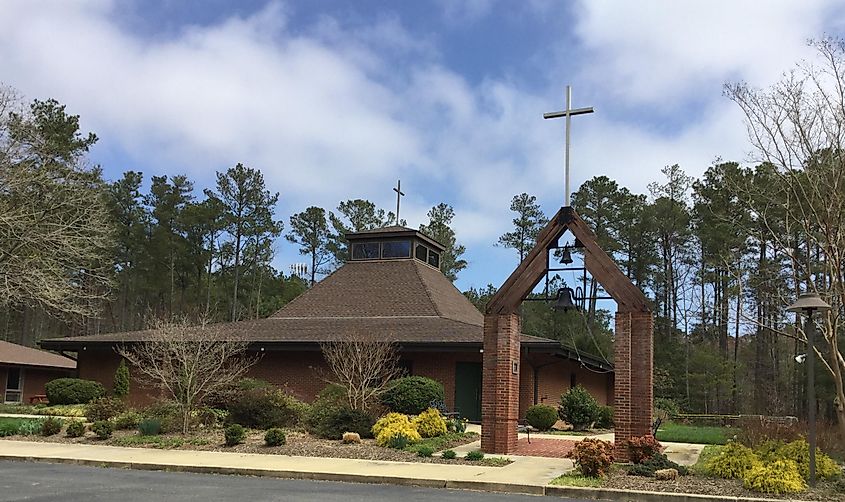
{"points": [[807, 304]]}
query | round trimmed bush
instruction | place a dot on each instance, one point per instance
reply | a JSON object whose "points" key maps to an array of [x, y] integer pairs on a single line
{"points": [[265, 408], [102, 428], [234, 434], [51, 426], [275, 437], [578, 408], [541, 416], [430, 424], [75, 429], [104, 408], [330, 416], [412, 395], [73, 391]]}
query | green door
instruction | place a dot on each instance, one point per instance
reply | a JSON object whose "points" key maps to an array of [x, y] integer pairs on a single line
{"points": [[468, 390]]}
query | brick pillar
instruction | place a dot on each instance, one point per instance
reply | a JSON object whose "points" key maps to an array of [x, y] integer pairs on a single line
{"points": [[633, 391], [500, 383]]}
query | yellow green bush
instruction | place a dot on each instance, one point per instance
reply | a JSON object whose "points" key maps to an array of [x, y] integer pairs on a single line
{"points": [[734, 461], [780, 476], [392, 425], [799, 452], [387, 420], [430, 424]]}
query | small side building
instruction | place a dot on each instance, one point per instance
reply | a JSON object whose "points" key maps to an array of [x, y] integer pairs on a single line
{"points": [[24, 371], [392, 286]]}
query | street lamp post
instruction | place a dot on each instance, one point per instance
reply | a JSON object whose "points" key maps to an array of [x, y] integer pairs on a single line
{"points": [[807, 304]]}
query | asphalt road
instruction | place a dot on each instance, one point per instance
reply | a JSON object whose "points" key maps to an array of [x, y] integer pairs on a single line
{"points": [[71, 483]]}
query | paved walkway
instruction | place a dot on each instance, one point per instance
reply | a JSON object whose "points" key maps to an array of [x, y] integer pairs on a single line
{"points": [[530, 471]]}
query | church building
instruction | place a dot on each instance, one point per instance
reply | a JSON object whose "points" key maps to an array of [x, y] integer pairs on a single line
{"points": [[392, 286]]}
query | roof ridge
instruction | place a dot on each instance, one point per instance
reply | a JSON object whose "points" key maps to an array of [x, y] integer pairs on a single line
{"points": [[428, 291]]}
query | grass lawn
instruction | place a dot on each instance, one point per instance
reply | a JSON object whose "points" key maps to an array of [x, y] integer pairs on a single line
{"points": [[574, 479], [11, 426], [681, 433]]}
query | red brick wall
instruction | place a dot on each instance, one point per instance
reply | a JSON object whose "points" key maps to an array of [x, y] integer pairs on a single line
{"points": [[633, 349], [500, 392], [555, 376]]}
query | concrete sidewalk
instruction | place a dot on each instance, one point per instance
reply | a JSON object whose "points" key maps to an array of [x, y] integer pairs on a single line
{"points": [[524, 475]]}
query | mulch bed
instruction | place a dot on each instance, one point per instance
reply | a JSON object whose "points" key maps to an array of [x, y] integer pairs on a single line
{"points": [[712, 486], [298, 444]]}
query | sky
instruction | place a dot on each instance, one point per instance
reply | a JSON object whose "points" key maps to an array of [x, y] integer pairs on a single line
{"points": [[337, 100]]}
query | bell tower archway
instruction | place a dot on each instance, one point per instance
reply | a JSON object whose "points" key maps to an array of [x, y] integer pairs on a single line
{"points": [[633, 343]]}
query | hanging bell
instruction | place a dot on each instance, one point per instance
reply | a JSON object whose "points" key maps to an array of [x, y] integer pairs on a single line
{"points": [[564, 301], [566, 256]]}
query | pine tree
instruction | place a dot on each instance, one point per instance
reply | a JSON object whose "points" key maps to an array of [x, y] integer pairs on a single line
{"points": [[439, 229], [527, 224]]}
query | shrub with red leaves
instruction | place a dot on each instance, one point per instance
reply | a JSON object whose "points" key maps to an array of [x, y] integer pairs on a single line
{"points": [[642, 448], [592, 456]]}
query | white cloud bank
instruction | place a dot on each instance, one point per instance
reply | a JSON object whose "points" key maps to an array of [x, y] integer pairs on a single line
{"points": [[334, 112]]}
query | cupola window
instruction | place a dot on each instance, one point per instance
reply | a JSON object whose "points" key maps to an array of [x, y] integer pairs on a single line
{"points": [[396, 249]]}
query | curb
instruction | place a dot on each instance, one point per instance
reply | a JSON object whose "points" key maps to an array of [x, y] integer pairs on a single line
{"points": [[483, 486]]}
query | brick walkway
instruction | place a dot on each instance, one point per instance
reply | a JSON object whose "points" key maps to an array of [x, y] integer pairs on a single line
{"points": [[553, 448]]}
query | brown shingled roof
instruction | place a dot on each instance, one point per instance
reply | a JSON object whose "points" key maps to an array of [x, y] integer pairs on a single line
{"points": [[12, 353]]}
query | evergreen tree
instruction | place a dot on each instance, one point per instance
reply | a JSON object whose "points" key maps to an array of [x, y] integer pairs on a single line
{"points": [[310, 230], [439, 229], [353, 216], [527, 224]]}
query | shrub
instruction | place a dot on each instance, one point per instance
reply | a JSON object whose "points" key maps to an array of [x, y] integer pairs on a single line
{"points": [[234, 434], [393, 425], [458, 425], [126, 420], [104, 408], [73, 391], [474, 455], [780, 476], [265, 408], [605, 418], [166, 413], [799, 452], [430, 424], [541, 416], [734, 461], [425, 451], [29, 428], [102, 428], [592, 456], [51, 426], [449, 455], [149, 427], [753, 431], [412, 395], [209, 417], [121, 380], [642, 448], [274, 437], [657, 462], [8, 429], [665, 408], [331, 422], [578, 407], [75, 429], [398, 442]]}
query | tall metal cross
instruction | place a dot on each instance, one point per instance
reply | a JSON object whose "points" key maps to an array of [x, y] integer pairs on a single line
{"points": [[399, 195], [568, 113]]}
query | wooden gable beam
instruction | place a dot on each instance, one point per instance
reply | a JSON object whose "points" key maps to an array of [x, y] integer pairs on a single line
{"points": [[532, 269]]}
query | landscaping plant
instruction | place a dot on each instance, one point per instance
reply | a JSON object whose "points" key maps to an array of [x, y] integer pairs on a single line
{"points": [[578, 408], [330, 416], [73, 391], [605, 417], [799, 452], [29, 427], [102, 428], [430, 424], [149, 427], [50, 426], [265, 408], [274, 437], [541, 416], [657, 462], [474, 455], [393, 425], [234, 434], [642, 448], [126, 420], [732, 462], [121, 380], [412, 395], [593, 457], [449, 455], [779, 477], [425, 451], [104, 408], [75, 429]]}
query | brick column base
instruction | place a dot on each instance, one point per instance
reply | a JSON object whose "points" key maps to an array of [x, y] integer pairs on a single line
{"points": [[633, 391], [500, 383]]}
